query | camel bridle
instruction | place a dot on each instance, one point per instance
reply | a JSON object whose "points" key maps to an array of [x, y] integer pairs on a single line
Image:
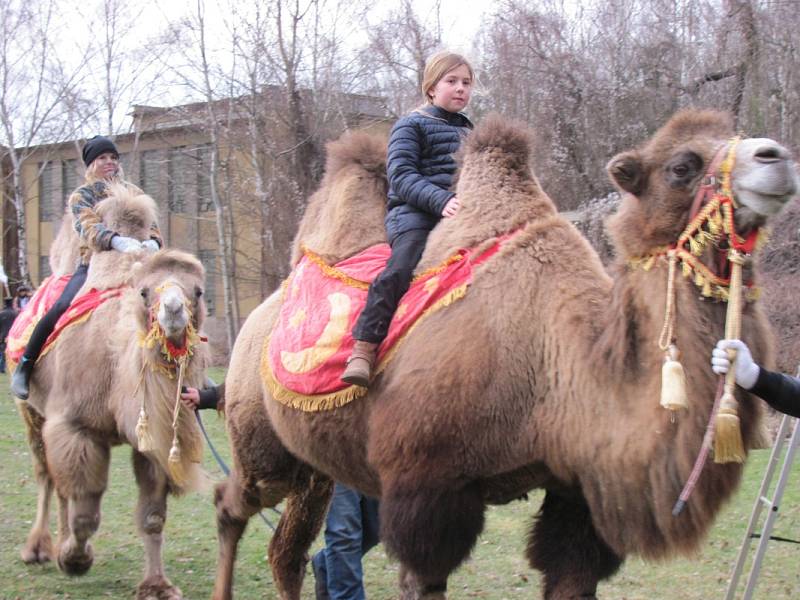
{"points": [[172, 358], [711, 226]]}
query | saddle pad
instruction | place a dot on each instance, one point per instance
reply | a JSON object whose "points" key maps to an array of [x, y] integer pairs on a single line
{"points": [[43, 299], [305, 355]]}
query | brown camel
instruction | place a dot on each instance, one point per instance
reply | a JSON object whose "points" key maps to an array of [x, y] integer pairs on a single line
{"points": [[79, 408], [547, 374]]}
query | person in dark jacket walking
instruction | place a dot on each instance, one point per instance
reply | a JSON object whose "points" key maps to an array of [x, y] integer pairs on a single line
{"points": [[7, 316], [780, 391], [420, 169], [101, 158]]}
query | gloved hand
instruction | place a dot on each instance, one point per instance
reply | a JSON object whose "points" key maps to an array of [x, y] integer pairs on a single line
{"points": [[746, 370], [120, 243], [150, 245]]}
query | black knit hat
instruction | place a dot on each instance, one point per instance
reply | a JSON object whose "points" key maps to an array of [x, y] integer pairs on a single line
{"points": [[97, 146]]}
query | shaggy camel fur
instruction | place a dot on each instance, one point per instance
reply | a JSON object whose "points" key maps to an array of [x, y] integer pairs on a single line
{"points": [[78, 409], [546, 375]]}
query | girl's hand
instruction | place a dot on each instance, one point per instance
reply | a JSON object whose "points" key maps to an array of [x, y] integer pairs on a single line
{"points": [[451, 208]]}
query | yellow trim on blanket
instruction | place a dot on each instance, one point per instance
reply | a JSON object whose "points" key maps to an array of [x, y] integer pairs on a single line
{"points": [[334, 272], [439, 268], [305, 402]]}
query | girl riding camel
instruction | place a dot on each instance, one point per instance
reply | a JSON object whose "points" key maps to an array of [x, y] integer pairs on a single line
{"points": [[420, 168], [101, 158]]}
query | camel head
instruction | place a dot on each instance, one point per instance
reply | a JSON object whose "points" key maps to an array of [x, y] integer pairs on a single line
{"points": [[660, 179], [345, 215], [170, 283]]}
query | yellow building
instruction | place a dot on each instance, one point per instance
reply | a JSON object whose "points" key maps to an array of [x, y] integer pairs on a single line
{"points": [[168, 154]]}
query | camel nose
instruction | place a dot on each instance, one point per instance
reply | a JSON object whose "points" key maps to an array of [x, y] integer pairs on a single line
{"points": [[770, 154], [172, 304]]}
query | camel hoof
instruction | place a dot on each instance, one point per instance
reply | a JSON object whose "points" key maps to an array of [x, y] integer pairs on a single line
{"points": [[74, 562], [158, 588], [37, 552]]}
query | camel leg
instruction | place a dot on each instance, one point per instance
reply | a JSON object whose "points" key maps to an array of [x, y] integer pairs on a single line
{"points": [[235, 505], [299, 525], [565, 547], [151, 514], [431, 531], [79, 467], [38, 547]]}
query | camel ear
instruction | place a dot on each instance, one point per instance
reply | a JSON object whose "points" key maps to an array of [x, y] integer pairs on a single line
{"points": [[627, 172]]}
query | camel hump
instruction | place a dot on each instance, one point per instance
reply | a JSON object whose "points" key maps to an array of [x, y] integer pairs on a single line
{"points": [[361, 148], [128, 211], [509, 139]]}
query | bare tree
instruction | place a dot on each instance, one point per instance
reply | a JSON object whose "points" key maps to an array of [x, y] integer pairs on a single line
{"points": [[36, 82]]}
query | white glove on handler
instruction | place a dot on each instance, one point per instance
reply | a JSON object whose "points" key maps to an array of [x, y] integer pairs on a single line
{"points": [[120, 243], [746, 370], [150, 245]]}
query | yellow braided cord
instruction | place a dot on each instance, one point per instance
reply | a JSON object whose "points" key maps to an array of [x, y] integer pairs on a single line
{"points": [[665, 339], [726, 168]]}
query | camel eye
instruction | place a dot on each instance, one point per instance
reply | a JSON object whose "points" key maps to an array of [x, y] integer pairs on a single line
{"points": [[682, 169], [198, 292], [145, 293]]}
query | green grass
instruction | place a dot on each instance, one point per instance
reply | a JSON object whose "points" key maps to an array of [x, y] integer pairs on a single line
{"points": [[496, 571]]}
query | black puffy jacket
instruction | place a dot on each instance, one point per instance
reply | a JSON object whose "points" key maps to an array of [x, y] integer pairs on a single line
{"points": [[421, 167]]}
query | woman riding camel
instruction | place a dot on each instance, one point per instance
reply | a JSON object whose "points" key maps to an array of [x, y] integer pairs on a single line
{"points": [[103, 168]]}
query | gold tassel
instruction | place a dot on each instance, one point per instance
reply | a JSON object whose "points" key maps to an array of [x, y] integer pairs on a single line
{"points": [[144, 439], [176, 471], [673, 382], [728, 445], [175, 462]]}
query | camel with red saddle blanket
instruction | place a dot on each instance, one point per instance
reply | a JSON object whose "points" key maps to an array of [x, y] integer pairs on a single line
{"points": [[111, 377], [545, 373]]}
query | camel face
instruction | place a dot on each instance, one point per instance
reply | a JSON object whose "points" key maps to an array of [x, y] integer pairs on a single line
{"points": [[764, 180], [173, 314], [660, 179], [170, 295]]}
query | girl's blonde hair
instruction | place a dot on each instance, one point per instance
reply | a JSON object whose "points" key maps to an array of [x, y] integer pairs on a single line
{"points": [[438, 66]]}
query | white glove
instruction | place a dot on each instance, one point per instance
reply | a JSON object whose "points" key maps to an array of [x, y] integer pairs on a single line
{"points": [[746, 370], [150, 245], [120, 243]]}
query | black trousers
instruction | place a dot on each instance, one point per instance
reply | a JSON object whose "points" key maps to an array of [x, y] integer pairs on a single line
{"points": [[48, 322], [388, 288]]}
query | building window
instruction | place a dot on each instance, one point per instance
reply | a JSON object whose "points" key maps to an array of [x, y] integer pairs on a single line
{"points": [[148, 172], [71, 177], [203, 170], [176, 184], [47, 211], [44, 267], [189, 171], [209, 260]]}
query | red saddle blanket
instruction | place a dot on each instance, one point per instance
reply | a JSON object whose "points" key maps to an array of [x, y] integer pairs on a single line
{"points": [[304, 356], [43, 299]]}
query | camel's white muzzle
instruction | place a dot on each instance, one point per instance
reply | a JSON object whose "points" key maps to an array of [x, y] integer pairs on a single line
{"points": [[172, 313]]}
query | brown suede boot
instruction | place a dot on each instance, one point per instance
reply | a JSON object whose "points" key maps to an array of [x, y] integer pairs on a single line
{"points": [[359, 365]]}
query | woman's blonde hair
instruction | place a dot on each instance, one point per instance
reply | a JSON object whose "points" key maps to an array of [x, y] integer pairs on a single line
{"points": [[438, 66]]}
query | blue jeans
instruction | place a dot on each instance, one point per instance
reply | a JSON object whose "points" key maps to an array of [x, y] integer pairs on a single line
{"points": [[351, 530]]}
